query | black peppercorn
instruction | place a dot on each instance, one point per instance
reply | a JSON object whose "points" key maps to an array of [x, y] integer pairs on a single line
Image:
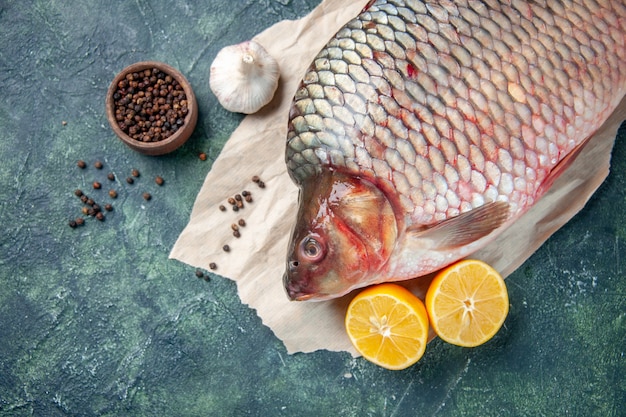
{"points": [[261, 184], [241, 222], [226, 248], [112, 193], [222, 208], [199, 273], [234, 226], [78, 193], [148, 101], [130, 180], [81, 164], [248, 198], [100, 216], [146, 196], [237, 234], [111, 176], [96, 185], [108, 207], [213, 265], [98, 165], [72, 223], [256, 178], [134, 173], [79, 221], [202, 156], [159, 180]]}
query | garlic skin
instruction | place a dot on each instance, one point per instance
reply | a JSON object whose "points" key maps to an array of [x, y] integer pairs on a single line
{"points": [[244, 77]]}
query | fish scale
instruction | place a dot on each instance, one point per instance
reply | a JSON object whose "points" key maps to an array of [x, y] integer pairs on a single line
{"points": [[470, 70], [449, 105]]}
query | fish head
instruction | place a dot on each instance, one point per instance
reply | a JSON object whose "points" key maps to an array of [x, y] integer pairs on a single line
{"points": [[345, 232]]}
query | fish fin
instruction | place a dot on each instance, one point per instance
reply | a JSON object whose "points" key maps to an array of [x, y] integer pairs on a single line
{"points": [[608, 128], [561, 167], [467, 227]]}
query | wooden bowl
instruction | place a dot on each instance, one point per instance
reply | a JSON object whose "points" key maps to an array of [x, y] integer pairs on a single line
{"points": [[163, 146]]}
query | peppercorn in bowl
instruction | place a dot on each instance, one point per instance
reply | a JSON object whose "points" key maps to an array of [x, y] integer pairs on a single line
{"points": [[151, 107]]}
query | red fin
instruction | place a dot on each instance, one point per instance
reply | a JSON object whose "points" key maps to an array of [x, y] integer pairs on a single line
{"points": [[467, 227], [608, 128], [561, 167], [368, 5]]}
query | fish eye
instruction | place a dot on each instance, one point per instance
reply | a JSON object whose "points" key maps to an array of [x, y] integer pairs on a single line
{"points": [[311, 249]]}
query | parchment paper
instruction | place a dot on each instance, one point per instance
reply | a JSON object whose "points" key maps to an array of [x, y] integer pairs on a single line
{"points": [[256, 261]]}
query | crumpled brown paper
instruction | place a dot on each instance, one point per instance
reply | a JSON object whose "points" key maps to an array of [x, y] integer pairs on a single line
{"points": [[256, 260]]}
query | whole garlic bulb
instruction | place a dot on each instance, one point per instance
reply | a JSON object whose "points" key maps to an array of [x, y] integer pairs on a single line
{"points": [[244, 77]]}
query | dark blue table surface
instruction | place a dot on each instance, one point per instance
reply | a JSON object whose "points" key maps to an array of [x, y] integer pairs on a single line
{"points": [[97, 321]]}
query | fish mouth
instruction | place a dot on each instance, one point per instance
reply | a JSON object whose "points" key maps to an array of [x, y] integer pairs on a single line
{"points": [[296, 291], [300, 297]]}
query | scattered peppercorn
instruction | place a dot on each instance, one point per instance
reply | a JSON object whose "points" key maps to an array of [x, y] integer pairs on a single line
{"points": [[72, 223], [134, 173], [78, 193], [96, 185], [241, 222], [96, 208], [111, 176], [81, 164], [100, 216], [79, 221], [130, 180], [84, 198], [147, 196], [199, 273], [237, 234], [261, 184], [213, 265], [245, 193], [108, 207], [226, 248], [235, 208], [85, 210], [202, 156], [256, 178], [112, 193], [232, 201], [238, 197], [248, 199], [222, 208], [98, 165], [150, 105], [234, 226], [159, 180], [90, 202]]}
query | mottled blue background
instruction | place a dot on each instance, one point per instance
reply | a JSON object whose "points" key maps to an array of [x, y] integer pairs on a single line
{"points": [[97, 321]]}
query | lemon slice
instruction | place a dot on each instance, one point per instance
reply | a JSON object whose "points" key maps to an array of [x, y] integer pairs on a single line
{"points": [[388, 325], [467, 303]]}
